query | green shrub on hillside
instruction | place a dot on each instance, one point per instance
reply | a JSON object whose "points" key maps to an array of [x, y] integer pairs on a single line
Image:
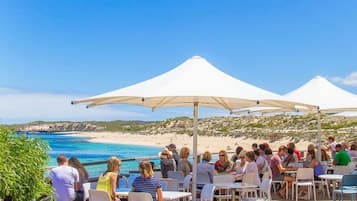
{"points": [[22, 167]]}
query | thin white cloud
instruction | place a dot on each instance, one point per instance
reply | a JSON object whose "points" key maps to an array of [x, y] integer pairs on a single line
{"points": [[18, 107], [349, 80]]}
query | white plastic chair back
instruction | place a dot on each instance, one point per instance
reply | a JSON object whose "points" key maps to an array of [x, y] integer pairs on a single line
{"points": [[178, 175], [97, 195], [223, 179], [163, 185], [172, 185], [93, 185], [207, 192], [250, 178], [265, 188], [86, 187], [203, 178], [187, 182], [139, 196], [305, 174], [342, 169], [126, 181], [157, 174]]}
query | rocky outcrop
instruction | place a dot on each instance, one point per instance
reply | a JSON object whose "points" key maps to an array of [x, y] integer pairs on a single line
{"points": [[60, 127]]}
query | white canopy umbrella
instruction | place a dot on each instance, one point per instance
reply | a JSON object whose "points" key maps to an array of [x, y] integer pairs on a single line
{"points": [[193, 83], [328, 97]]}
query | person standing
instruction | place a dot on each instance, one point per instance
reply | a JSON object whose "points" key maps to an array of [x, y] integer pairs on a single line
{"points": [[175, 155], [65, 180]]}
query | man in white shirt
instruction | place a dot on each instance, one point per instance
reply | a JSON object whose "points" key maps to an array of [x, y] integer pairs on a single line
{"points": [[65, 180]]}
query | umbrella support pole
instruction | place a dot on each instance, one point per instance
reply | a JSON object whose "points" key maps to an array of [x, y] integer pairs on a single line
{"points": [[194, 168]]}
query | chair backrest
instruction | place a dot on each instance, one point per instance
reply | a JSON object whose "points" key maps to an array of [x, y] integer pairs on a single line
{"points": [[86, 187], [349, 180], [187, 182], [172, 185], [250, 178], [158, 174], [305, 174], [139, 196], [207, 192], [227, 178], [97, 195], [203, 178], [93, 185], [163, 185], [265, 185], [176, 175], [126, 181], [342, 169]]}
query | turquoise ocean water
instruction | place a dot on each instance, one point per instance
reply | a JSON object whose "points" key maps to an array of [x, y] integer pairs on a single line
{"points": [[87, 151]]}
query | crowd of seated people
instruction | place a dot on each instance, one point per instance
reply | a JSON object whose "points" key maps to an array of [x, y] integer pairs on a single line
{"points": [[68, 178]]}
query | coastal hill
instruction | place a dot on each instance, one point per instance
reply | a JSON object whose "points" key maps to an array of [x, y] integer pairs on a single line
{"points": [[264, 127]]}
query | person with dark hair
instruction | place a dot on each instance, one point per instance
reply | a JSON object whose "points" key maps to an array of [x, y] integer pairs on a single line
{"points": [[331, 145], [277, 170], [296, 152], [268, 154], [166, 162], [290, 160], [261, 161], [341, 157], [108, 180], [235, 157], [65, 180], [175, 154], [254, 147], [147, 183], [83, 176], [353, 150]]}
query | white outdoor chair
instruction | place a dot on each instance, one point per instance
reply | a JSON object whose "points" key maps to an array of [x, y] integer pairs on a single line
{"points": [[265, 188], [97, 195], [207, 192], [323, 183], [86, 187], [342, 169], [186, 183], [139, 196], [304, 177], [178, 175], [157, 174], [223, 179], [249, 178]]}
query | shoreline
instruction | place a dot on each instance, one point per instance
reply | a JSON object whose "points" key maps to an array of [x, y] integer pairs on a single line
{"points": [[212, 144]]}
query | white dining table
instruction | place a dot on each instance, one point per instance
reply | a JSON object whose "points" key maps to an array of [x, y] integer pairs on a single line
{"points": [[167, 195], [334, 178], [234, 186]]}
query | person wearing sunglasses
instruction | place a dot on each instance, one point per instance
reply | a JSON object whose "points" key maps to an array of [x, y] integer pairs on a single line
{"points": [[223, 164]]}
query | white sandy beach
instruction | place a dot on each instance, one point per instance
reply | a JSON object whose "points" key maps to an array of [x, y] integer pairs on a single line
{"points": [[205, 143]]}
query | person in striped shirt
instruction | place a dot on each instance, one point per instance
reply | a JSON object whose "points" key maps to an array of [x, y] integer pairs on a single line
{"points": [[147, 183]]}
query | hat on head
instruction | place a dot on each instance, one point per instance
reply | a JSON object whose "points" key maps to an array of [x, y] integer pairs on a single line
{"points": [[171, 146], [165, 151]]}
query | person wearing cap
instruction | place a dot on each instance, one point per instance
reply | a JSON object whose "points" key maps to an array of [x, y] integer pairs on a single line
{"points": [[166, 162], [175, 155]]}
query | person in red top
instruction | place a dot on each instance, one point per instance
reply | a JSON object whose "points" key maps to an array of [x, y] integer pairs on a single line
{"points": [[296, 152]]}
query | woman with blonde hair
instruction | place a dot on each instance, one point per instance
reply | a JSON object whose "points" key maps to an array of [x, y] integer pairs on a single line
{"points": [[147, 183], [223, 164], [108, 180], [184, 165]]}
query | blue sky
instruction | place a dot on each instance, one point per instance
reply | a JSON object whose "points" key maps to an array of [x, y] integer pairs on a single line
{"points": [[69, 49]]}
